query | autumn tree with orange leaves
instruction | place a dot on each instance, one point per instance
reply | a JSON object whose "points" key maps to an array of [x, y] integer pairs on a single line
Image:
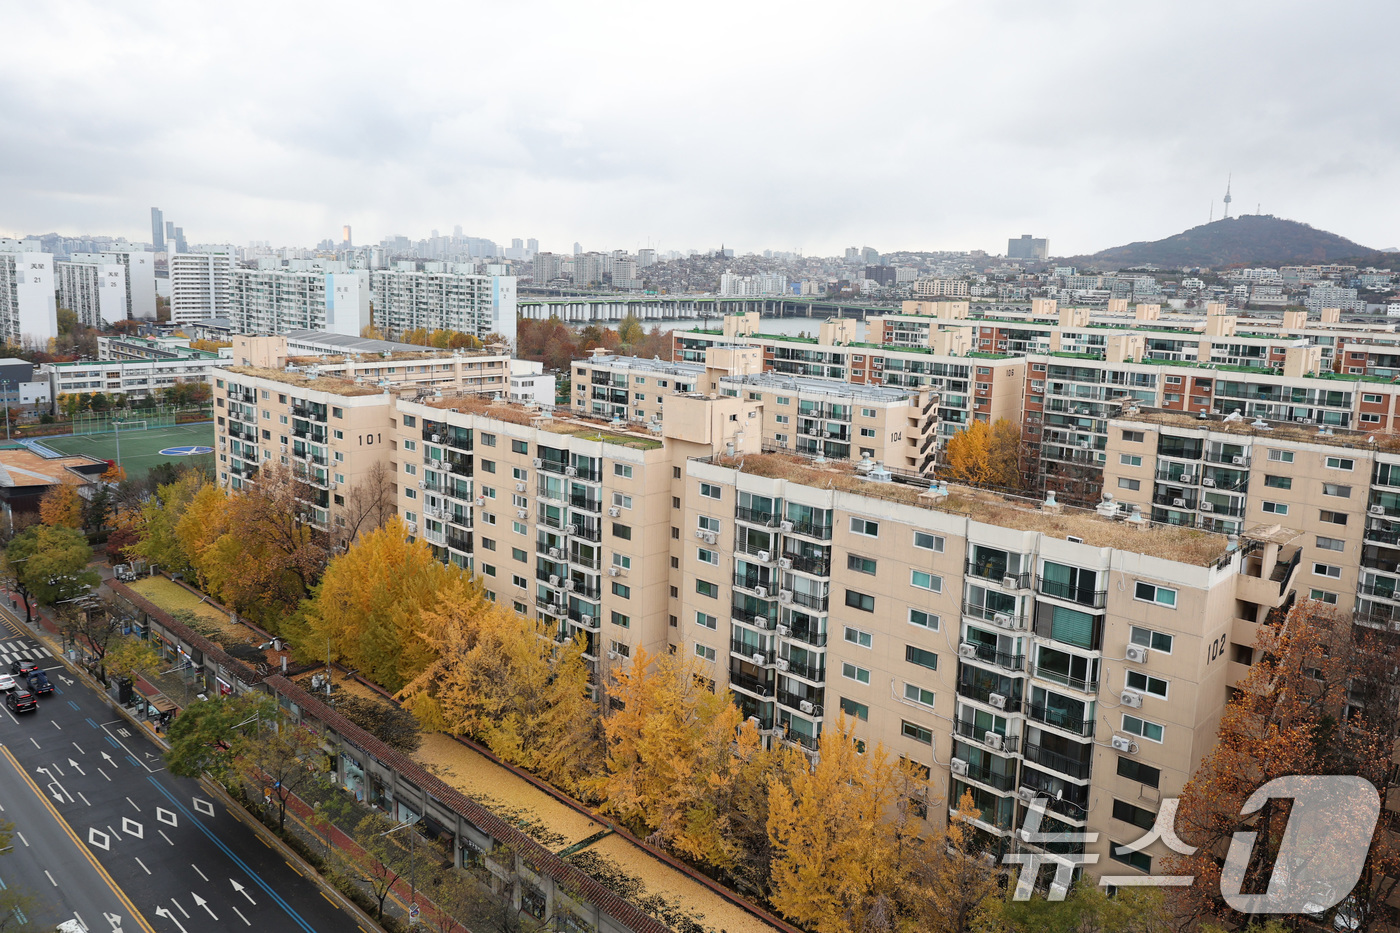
{"points": [[1320, 699], [62, 507], [984, 455]]}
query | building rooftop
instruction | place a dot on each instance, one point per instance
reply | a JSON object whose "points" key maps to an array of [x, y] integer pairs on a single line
{"points": [[301, 380], [1170, 542], [802, 384], [1263, 429], [344, 343], [657, 365], [20, 466], [555, 420]]}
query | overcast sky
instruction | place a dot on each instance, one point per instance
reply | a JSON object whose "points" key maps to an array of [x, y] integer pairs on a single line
{"points": [[805, 126]]}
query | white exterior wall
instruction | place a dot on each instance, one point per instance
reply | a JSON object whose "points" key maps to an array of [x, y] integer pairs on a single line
{"points": [[28, 303], [95, 292], [201, 286], [347, 302]]}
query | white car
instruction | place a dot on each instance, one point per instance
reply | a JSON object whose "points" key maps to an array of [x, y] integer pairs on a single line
{"points": [[7, 683]]}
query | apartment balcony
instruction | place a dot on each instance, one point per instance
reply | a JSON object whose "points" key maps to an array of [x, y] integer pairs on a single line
{"points": [[995, 780], [586, 503], [999, 576], [811, 601], [459, 542], [810, 743], [1043, 757], [1008, 744], [1376, 534], [578, 559], [808, 705], [1235, 460], [811, 530], [758, 657], [588, 532], [1064, 679], [768, 616], [815, 566], [1007, 620], [1172, 501], [757, 517], [806, 636], [460, 465], [1095, 599], [986, 654], [753, 581], [1062, 719], [1005, 703], [751, 684]]}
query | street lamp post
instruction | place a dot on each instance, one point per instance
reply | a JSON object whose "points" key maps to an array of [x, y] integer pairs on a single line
{"points": [[412, 866]]}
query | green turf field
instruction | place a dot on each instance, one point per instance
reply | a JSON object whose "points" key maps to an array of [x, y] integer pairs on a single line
{"points": [[140, 450]]}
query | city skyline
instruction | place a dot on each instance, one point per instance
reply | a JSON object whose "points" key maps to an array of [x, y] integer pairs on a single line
{"points": [[1052, 127]]}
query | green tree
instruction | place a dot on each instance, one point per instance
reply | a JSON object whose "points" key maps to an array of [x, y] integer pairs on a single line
{"points": [[50, 563], [281, 760], [629, 331], [205, 736]]}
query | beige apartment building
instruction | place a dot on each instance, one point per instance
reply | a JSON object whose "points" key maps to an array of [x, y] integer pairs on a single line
{"points": [[1012, 648], [483, 371]]}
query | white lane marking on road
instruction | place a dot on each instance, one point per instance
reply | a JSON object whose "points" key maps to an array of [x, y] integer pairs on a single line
{"points": [[31, 738], [85, 800], [56, 726], [240, 915], [197, 871], [79, 748], [143, 866], [22, 839], [103, 773], [179, 908], [167, 839], [50, 877], [133, 804]]}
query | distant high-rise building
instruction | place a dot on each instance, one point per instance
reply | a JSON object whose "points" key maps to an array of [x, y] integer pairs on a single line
{"points": [[646, 257], [1027, 247], [533, 245], [139, 278], [345, 236], [870, 256], [180, 245], [157, 230], [852, 253], [94, 291], [884, 275], [28, 305], [548, 266], [517, 243], [201, 286], [457, 230], [578, 249], [307, 295], [442, 298]]}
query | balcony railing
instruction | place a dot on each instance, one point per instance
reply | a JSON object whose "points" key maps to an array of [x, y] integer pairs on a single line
{"points": [[750, 683], [586, 532], [585, 503], [769, 616], [757, 517], [1063, 677], [1016, 581], [1169, 501], [1002, 782], [1381, 536], [592, 563], [795, 700], [968, 730], [459, 542], [1075, 594], [1002, 659], [1384, 590], [749, 581], [807, 670], [1055, 761], [810, 601], [808, 637], [816, 566], [749, 651], [1238, 460], [1061, 719], [812, 530], [810, 742], [1002, 619], [1010, 704]]}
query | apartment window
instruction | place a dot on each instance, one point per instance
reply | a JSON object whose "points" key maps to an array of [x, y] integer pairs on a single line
{"points": [[411, 469], [488, 543], [863, 526], [1277, 508], [337, 433], [621, 648], [1369, 418], [1132, 460], [489, 570], [1139, 860], [1323, 596], [1144, 728], [519, 528], [919, 656], [1147, 638], [1146, 683], [1125, 483], [860, 564], [1135, 770], [706, 588], [1339, 463], [620, 501], [409, 421], [622, 561], [923, 619], [335, 412], [675, 502], [706, 620], [926, 581], [782, 400], [859, 674], [1137, 816], [675, 472], [622, 531], [620, 619], [705, 523], [1327, 570], [1278, 482], [867, 432], [488, 440], [782, 419], [1134, 437], [709, 490], [519, 554], [1281, 456], [706, 556], [916, 732], [519, 581], [623, 470], [1333, 518], [857, 637], [1332, 489], [519, 447], [1331, 544], [928, 542], [917, 694], [622, 589], [1371, 399], [856, 710], [860, 601], [1151, 593]]}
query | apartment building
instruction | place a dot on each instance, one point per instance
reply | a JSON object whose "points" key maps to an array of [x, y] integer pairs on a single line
{"points": [[128, 378], [892, 426], [378, 363], [444, 296], [307, 295], [138, 274], [1338, 490], [201, 286], [28, 305], [95, 292]]}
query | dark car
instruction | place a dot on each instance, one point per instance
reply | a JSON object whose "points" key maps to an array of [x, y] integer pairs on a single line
{"points": [[21, 700], [39, 683], [23, 668]]}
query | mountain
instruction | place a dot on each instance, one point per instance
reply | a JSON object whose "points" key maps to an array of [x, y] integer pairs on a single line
{"points": [[1254, 239]]}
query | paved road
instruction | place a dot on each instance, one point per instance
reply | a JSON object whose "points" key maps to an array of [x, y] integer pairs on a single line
{"points": [[185, 862]]}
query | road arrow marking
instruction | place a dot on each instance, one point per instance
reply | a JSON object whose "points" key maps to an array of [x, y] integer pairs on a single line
{"points": [[201, 902], [74, 765], [65, 680], [164, 912], [239, 888], [108, 759], [115, 920]]}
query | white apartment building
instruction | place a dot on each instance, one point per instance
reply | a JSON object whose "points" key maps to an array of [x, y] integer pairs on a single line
{"points": [[441, 298], [732, 285], [95, 292], [140, 266], [307, 295], [130, 378], [28, 300], [201, 286]]}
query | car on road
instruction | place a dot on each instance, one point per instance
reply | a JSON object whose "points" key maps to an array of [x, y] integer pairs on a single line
{"points": [[22, 668], [39, 683], [6, 682], [20, 700]]}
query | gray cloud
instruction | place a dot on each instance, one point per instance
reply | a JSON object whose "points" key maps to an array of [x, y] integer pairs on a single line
{"points": [[793, 125]]}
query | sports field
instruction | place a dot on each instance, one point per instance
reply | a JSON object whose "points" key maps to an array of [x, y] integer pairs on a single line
{"points": [[140, 450]]}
